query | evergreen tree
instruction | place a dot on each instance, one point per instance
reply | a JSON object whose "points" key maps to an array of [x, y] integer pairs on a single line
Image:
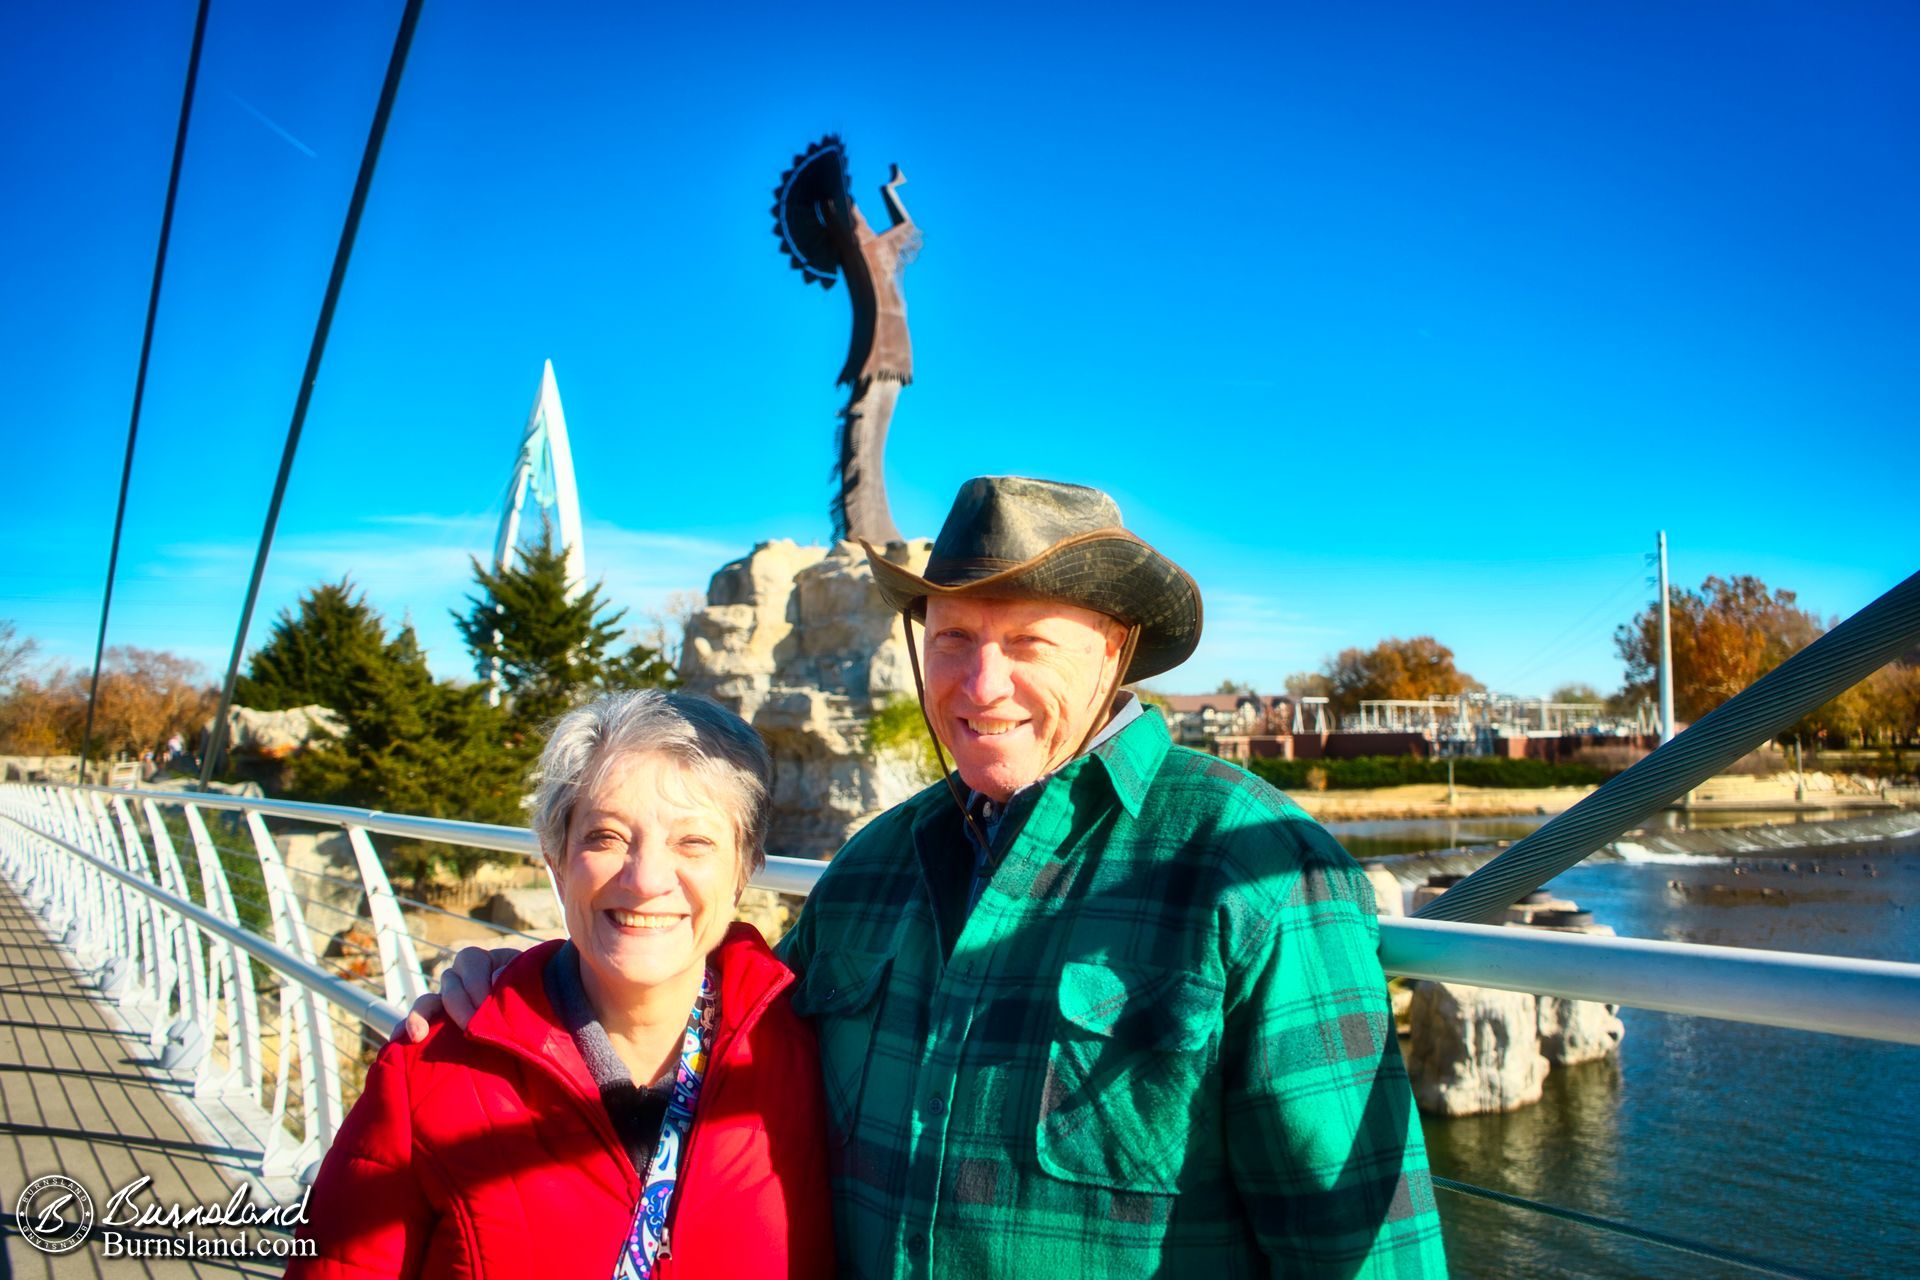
{"points": [[551, 646], [313, 657], [411, 745]]}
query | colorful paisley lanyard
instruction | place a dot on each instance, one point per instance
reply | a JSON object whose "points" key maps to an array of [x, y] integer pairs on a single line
{"points": [[648, 1236]]}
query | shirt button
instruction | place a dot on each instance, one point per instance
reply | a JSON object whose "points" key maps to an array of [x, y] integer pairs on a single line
{"points": [[937, 1106], [916, 1244]]}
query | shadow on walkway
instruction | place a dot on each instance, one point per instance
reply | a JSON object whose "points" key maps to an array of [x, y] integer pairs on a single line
{"points": [[71, 1106]]}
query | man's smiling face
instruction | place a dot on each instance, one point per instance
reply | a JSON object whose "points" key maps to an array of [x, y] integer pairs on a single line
{"points": [[1015, 686]]}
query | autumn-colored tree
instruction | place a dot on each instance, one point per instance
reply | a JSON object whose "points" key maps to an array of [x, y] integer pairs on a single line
{"points": [[145, 697], [1418, 668], [1892, 707], [41, 714], [1731, 632], [1725, 636], [35, 707]]}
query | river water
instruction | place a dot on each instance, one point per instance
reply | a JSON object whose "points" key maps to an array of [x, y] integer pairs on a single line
{"points": [[1795, 1147]]}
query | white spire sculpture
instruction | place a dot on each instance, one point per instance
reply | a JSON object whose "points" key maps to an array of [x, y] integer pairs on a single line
{"points": [[543, 479]]}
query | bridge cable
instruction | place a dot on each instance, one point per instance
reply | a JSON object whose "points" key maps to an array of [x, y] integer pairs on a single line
{"points": [[1834, 663], [369, 160], [140, 378]]}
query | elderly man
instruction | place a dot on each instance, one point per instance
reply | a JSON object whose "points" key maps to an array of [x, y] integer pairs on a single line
{"points": [[1103, 1005]]}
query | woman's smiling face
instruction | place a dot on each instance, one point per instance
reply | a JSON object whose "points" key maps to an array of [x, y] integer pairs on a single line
{"points": [[649, 877]]}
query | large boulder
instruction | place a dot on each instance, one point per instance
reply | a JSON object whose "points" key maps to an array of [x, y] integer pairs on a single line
{"points": [[1474, 1049], [797, 642], [275, 735], [1574, 1031], [533, 909]]}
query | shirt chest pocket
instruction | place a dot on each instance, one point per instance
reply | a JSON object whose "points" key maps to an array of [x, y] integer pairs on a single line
{"points": [[841, 996], [1126, 1094]]}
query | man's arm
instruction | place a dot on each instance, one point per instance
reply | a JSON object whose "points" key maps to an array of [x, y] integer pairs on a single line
{"points": [[463, 985], [466, 981], [1322, 1138]]}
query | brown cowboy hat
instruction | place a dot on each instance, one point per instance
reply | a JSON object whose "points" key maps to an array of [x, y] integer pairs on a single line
{"points": [[1043, 540]]}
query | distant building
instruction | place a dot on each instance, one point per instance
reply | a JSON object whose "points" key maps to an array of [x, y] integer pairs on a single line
{"points": [[1472, 724], [1199, 719]]}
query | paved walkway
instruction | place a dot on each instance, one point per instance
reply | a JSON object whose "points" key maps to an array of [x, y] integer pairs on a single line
{"points": [[81, 1098]]}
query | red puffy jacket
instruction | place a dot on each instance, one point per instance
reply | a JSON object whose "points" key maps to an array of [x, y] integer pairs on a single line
{"points": [[491, 1154]]}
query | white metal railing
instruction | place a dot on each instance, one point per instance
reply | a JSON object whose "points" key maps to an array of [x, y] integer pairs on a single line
{"points": [[341, 953]]}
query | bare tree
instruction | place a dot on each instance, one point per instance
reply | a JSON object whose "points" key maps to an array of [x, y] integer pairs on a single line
{"points": [[665, 631], [16, 652]]}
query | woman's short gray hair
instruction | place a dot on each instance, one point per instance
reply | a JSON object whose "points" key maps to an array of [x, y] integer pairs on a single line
{"points": [[703, 736]]}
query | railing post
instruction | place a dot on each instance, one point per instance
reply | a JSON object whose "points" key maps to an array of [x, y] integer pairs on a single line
{"points": [[187, 1037], [320, 1062], [102, 936], [399, 961], [235, 975], [120, 978], [54, 894], [157, 972]]}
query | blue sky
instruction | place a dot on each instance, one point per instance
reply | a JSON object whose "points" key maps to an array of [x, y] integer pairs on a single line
{"points": [[1383, 320]]}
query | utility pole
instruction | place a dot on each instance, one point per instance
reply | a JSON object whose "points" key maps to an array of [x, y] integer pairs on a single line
{"points": [[1666, 651]]}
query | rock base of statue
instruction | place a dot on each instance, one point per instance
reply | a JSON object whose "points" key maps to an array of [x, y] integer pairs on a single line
{"points": [[796, 641]]}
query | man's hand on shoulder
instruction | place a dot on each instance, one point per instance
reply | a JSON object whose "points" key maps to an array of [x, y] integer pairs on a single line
{"points": [[463, 985]]}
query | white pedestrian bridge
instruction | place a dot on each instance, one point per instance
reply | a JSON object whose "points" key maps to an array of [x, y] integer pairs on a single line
{"points": [[179, 1002]]}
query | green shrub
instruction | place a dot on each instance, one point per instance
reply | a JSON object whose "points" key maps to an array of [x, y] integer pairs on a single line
{"points": [[1396, 771], [897, 729]]}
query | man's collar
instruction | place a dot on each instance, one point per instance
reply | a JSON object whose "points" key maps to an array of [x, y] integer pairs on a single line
{"points": [[1126, 711], [1131, 749]]}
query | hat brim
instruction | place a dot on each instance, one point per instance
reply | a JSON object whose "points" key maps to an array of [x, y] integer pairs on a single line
{"points": [[1109, 571]]}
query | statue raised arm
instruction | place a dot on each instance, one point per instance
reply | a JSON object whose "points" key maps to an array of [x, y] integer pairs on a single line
{"points": [[827, 238]]}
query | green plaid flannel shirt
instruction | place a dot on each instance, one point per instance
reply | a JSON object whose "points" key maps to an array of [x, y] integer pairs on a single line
{"points": [[1160, 1044]]}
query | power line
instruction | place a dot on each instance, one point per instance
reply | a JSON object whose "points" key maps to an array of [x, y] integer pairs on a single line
{"points": [[1555, 648]]}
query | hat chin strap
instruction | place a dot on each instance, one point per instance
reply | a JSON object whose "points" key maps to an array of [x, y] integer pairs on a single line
{"points": [[939, 753], [1127, 647]]}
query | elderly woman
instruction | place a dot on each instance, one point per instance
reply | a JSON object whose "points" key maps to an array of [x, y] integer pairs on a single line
{"points": [[638, 1100]]}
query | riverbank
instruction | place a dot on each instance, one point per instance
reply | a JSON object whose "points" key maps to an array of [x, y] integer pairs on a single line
{"points": [[1783, 793], [1429, 800]]}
